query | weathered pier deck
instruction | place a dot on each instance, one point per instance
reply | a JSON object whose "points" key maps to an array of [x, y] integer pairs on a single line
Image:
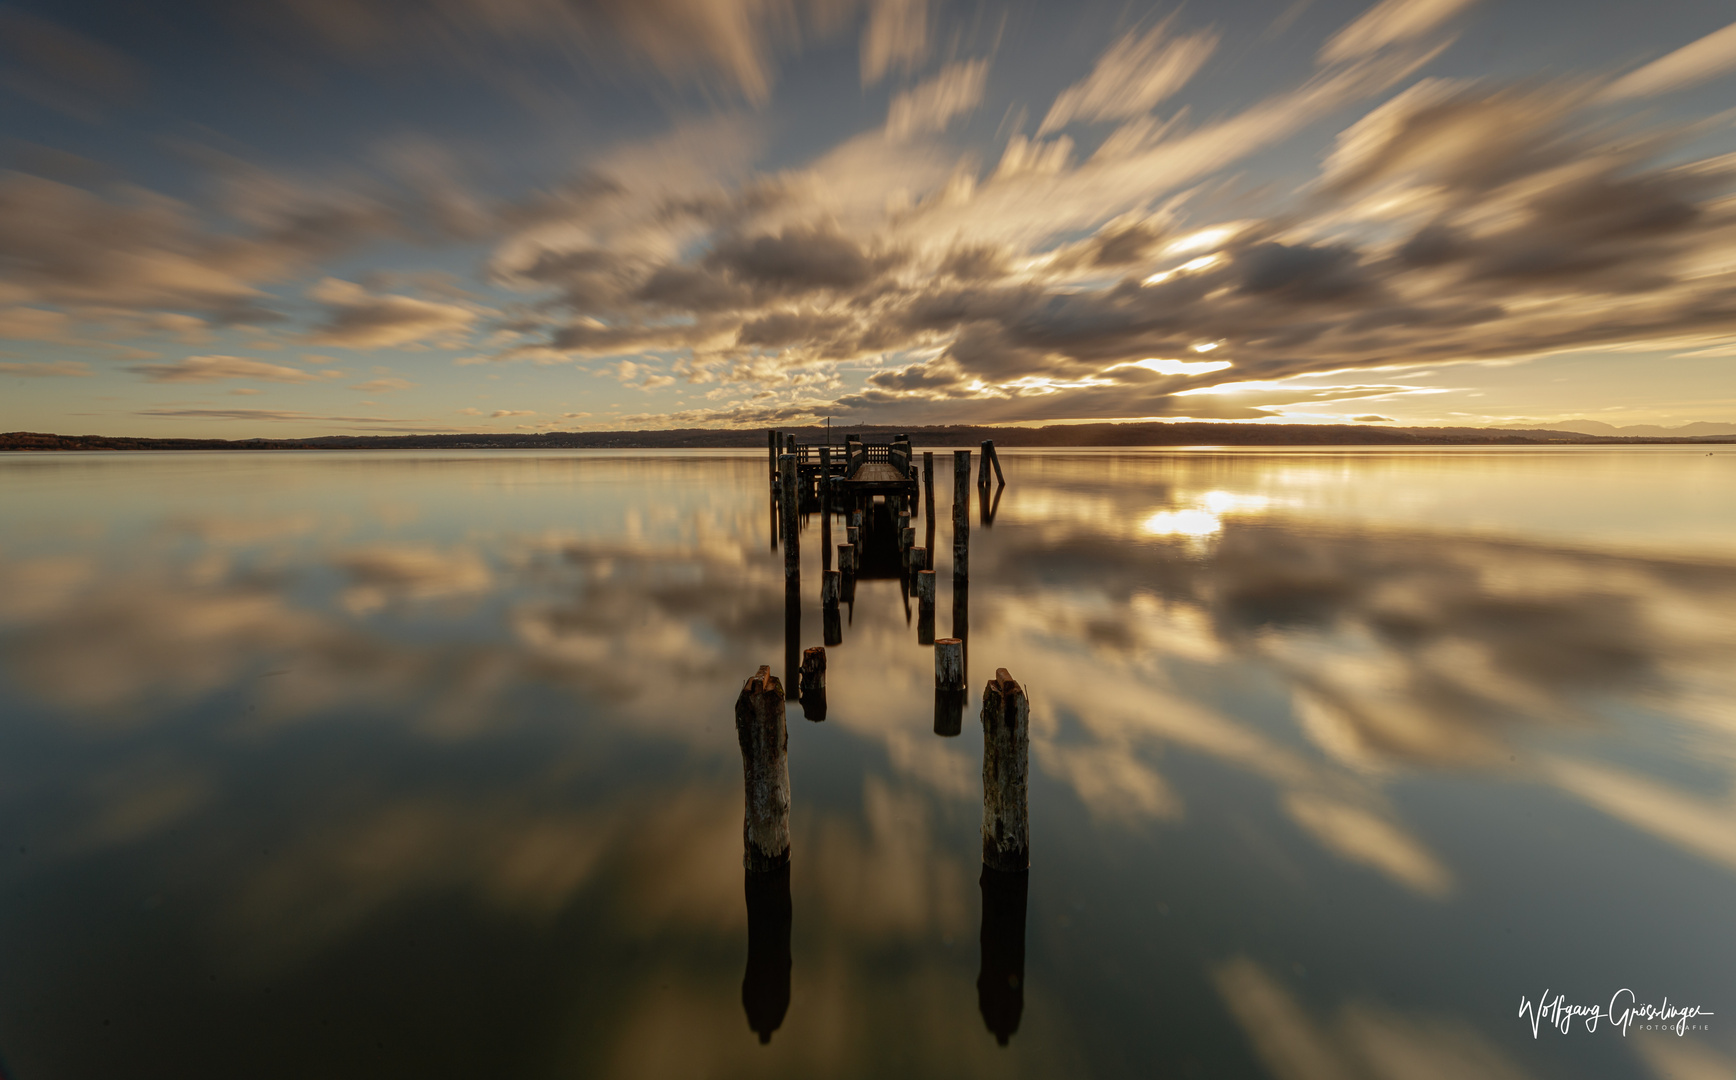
{"points": [[850, 474]]}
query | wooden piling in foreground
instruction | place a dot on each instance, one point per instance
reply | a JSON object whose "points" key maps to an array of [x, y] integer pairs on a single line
{"points": [[853, 534], [907, 543], [995, 460], [813, 686], [924, 587], [759, 727], [847, 560], [948, 664], [1006, 766]]}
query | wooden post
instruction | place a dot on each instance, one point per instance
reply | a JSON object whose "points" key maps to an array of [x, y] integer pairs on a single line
{"points": [[814, 683], [994, 457], [772, 442], [831, 587], [924, 588], [847, 560], [907, 543], [853, 534], [759, 727], [787, 471], [918, 558], [813, 670], [949, 664], [1006, 765], [928, 483], [988, 449], [960, 513], [826, 507]]}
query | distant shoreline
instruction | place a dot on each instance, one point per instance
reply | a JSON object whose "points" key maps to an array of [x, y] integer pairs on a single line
{"points": [[1068, 435]]}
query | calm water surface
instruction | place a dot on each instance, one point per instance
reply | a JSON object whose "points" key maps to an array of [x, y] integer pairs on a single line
{"points": [[424, 764]]}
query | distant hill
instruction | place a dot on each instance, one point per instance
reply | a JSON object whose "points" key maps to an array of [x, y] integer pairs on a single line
{"points": [[1699, 429], [1145, 434]]}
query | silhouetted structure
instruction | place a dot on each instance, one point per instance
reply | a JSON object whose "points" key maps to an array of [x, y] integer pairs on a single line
{"points": [[765, 987], [1001, 979]]}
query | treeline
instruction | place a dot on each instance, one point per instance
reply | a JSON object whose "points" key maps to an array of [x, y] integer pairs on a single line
{"points": [[1145, 434]]}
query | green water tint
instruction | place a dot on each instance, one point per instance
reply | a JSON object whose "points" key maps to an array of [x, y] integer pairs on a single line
{"points": [[425, 764]]}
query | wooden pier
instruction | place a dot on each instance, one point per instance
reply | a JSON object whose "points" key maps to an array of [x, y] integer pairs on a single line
{"points": [[844, 477]]}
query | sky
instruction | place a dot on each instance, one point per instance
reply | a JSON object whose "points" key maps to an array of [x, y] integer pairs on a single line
{"points": [[307, 217]]}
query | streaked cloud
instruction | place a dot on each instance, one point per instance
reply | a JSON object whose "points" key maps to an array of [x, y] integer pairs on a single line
{"points": [[1707, 58], [955, 91], [359, 319], [46, 369], [1390, 22], [1135, 74], [199, 369]]}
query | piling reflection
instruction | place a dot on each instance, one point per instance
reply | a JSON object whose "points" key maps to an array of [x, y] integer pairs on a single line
{"points": [[1001, 978], [765, 986]]}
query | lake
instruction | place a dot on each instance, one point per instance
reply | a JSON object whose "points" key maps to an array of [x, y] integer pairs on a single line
{"points": [[425, 764]]}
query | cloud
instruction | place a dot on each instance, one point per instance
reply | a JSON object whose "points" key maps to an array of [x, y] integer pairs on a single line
{"points": [[930, 106], [48, 369], [896, 38], [1707, 58], [379, 386], [199, 369], [33, 324], [359, 319], [1389, 22], [1135, 74]]}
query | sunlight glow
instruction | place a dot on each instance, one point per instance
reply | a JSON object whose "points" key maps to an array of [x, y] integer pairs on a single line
{"points": [[1207, 347], [1179, 367], [1183, 523], [1202, 262], [1201, 240]]}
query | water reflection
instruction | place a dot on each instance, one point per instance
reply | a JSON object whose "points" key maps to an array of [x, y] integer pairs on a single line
{"points": [[267, 730], [765, 988], [1001, 981]]}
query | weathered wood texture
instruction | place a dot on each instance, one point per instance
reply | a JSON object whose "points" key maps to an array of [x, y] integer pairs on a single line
{"points": [[918, 558], [813, 671], [759, 727], [847, 559], [1006, 720], [948, 664]]}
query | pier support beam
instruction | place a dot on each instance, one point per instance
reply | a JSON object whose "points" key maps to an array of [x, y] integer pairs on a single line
{"points": [[759, 727], [1006, 766]]}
